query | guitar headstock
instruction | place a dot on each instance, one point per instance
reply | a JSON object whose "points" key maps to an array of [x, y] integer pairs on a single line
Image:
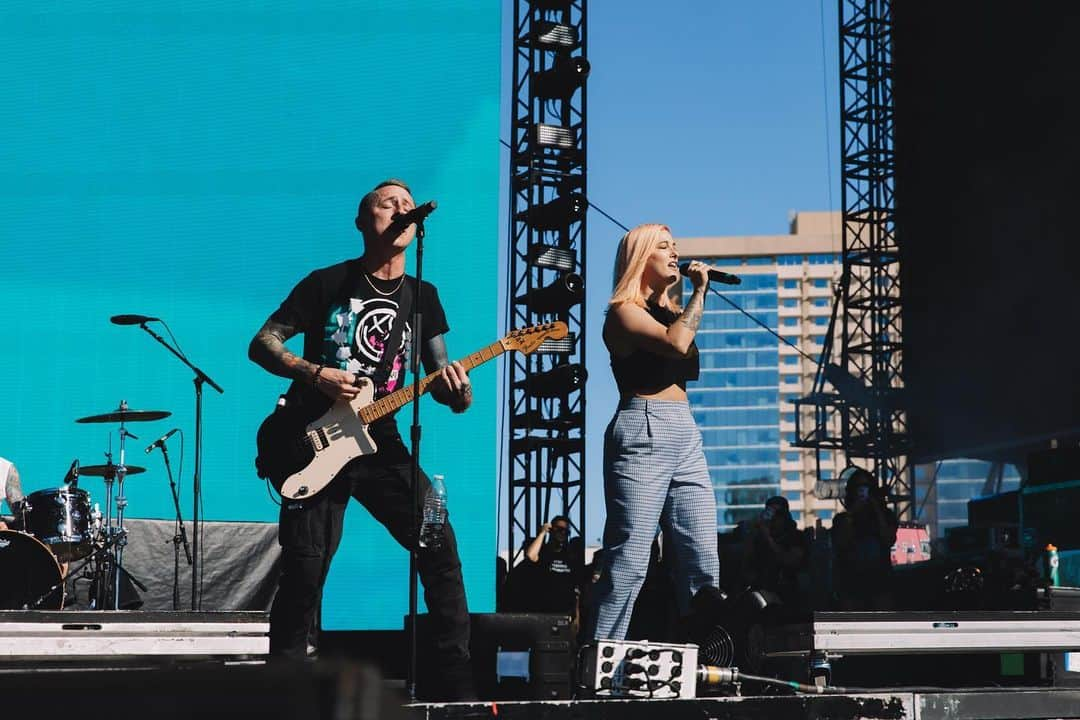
{"points": [[527, 339]]}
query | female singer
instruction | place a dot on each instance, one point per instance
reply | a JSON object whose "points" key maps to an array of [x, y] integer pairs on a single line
{"points": [[654, 467]]}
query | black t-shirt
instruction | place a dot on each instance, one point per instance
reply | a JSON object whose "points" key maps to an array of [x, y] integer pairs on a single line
{"points": [[559, 573], [346, 316]]}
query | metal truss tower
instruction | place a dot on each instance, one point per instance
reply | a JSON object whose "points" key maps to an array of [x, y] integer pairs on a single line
{"points": [[547, 266], [866, 407]]}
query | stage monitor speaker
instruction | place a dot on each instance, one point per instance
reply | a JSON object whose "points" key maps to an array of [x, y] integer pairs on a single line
{"points": [[515, 656]]}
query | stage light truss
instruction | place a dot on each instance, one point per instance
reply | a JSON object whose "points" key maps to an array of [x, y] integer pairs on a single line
{"points": [[867, 402], [545, 390]]}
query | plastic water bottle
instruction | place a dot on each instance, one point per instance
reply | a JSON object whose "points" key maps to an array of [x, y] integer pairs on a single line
{"points": [[431, 529], [1051, 564]]}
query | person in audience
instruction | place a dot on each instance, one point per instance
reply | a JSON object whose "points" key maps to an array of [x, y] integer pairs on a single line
{"points": [[548, 580], [774, 551], [862, 540]]}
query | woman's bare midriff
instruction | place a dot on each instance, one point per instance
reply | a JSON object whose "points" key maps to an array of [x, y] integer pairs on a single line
{"points": [[671, 392]]}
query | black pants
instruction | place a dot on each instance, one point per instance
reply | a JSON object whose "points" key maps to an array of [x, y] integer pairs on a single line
{"points": [[310, 532]]}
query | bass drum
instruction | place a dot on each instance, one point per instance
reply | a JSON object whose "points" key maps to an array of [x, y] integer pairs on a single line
{"points": [[30, 577]]}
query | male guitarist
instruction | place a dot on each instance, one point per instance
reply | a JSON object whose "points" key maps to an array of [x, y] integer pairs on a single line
{"points": [[348, 314]]}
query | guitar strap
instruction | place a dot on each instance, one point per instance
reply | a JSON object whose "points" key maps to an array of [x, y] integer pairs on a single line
{"points": [[393, 340]]}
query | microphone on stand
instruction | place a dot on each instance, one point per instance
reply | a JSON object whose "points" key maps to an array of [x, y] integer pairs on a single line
{"points": [[131, 319], [417, 215], [72, 473], [160, 442], [715, 275]]}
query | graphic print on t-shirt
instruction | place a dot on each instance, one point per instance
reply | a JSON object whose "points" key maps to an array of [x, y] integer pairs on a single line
{"points": [[356, 335]]}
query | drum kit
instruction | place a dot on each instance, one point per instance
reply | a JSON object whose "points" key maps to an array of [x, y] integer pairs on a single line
{"points": [[58, 528]]}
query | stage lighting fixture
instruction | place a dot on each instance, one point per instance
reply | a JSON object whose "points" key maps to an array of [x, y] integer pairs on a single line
{"points": [[829, 489], [566, 291], [565, 76], [554, 136], [557, 213], [549, 256], [562, 5], [552, 33], [559, 381], [556, 446], [538, 420]]}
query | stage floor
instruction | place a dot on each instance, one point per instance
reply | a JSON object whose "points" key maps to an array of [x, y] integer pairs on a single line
{"points": [[974, 704]]}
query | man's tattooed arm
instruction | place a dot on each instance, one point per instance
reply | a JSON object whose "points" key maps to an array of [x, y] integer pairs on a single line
{"points": [[267, 349], [691, 314]]}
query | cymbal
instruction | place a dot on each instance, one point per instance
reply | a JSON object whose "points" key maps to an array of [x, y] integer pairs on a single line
{"points": [[125, 415], [108, 471]]}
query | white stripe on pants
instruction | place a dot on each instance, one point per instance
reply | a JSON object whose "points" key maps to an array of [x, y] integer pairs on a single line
{"points": [[654, 473]]}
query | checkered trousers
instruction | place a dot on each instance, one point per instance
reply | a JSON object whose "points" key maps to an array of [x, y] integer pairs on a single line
{"points": [[654, 474]]}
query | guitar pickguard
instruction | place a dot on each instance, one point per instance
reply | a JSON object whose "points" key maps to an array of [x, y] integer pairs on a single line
{"points": [[337, 437]]}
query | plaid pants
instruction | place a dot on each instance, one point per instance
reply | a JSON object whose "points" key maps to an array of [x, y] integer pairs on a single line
{"points": [[654, 473]]}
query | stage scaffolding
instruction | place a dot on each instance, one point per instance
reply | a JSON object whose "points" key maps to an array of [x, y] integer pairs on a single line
{"points": [[545, 390], [863, 415]]}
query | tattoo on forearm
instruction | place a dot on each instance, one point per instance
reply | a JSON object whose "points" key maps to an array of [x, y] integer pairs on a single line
{"points": [[691, 316], [268, 349]]}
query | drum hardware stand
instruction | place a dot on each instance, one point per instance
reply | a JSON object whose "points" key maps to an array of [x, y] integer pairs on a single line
{"points": [[180, 536], [45, 596], [116, 536], [196, 476], [99, 576]]}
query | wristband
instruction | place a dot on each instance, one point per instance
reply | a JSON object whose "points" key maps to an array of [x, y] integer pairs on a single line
{"points": [[315, 377]]}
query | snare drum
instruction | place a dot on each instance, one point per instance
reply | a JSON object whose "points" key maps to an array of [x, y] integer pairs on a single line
{"points": [[60, 518], [30, 576]]}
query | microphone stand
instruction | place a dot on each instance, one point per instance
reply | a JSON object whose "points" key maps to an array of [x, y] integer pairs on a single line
{"points": [[414, 470], [179, 535], [196, 481]]}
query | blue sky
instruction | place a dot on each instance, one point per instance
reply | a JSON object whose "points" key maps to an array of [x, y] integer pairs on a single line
{"points": [[716, 118]]}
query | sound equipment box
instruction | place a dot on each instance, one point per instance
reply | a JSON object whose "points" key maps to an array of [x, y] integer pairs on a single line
{"points": [[515, 656]]}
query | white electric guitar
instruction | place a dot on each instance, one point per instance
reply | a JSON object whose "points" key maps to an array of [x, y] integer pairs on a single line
{"points": [[300, 455]]}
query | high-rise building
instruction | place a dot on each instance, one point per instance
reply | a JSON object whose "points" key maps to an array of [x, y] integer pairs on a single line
{"points": [[742, 402]]}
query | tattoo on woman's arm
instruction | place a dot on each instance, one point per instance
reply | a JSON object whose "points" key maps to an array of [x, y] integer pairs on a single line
{"points": [[691, 316]]}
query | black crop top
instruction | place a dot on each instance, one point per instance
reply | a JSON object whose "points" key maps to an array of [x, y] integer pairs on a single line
{"points": [[643, 371]]}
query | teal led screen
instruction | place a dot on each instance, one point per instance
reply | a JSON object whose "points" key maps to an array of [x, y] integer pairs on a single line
{"points": [[192, 161]]}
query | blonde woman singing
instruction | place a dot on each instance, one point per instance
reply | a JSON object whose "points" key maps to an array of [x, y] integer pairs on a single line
{"points": [[654, 467]]}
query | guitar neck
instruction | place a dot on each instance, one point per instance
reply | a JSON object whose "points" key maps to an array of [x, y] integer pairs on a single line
{"points": [[403, 396]]}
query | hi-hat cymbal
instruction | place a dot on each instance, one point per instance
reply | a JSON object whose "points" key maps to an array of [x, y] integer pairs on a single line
{"points": [[125, 415], [108, 471]]}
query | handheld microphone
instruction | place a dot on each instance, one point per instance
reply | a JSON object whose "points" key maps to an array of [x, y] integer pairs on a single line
{"points": [[72, 473], [131, 319], [715, 275], [417, 215], [160, 442]]}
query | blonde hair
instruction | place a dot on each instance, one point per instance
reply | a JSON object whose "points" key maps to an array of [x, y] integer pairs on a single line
{"points": [[630, 259]]}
